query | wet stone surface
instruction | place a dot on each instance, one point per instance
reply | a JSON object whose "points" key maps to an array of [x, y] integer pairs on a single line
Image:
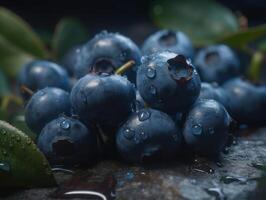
{"points": [[235, 179]]}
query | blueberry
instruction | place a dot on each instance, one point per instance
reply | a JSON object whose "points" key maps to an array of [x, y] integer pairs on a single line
{"points": [[217, 63], [106, 52], [213, 91], [104, 99], [168, 82], [175, 41], [66, 141], [40, 74], [69, 60], [206, 127], [246, 102], [148, 135], [46, 105]]}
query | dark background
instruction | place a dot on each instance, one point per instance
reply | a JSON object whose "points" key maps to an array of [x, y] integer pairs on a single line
{"points": [[125, 16]]}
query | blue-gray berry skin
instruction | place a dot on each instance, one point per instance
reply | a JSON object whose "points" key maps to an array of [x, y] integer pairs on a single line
{"points": [[215, 92], [206, 127], [175, 41], [46, 105], [168, 82], [246, 101], [106, 52], [67, 142], [39, 74], [105, 99], [148, 135], [69, 60], [217, 63]]}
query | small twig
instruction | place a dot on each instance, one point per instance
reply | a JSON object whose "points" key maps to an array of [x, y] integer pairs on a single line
{"points": [[27, 90], [121, 70]]}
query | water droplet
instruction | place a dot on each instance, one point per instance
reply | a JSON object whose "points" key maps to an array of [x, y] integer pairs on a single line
{"points": [[150, 73], [4, 167], [129, 133], [194, 181], [143, 135], [211, 131], [129, 175], [259, 166], [64, 125], [153, 90], [226, 150], [219, 164], [28, 141], [144, 115], [196, 129]]}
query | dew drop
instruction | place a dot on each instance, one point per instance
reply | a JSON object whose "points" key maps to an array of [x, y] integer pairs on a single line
{"points": [[4, 167], [28, 141], [231, 179], [153, 90], [64, 125], [143, 135], [129, 133], [196, 129], [150, 73], [144, 115]]}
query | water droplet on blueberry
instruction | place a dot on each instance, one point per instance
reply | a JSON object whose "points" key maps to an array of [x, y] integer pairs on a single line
{"points": [[143, 135], [129, 133], [4, 167], [64, 125], [150, 73], [144, 115], [196, 129]]}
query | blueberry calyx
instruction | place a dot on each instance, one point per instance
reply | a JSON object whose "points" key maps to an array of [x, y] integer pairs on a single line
{"points": [[103, 65], [168, 39], [63, 146], [181, 71]]}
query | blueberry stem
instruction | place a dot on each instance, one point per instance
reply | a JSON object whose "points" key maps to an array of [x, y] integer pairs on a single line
{"points": [[121, 70], [27, 90]]}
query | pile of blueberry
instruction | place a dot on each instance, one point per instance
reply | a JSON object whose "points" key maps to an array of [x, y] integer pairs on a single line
{"points": [[149, 105]]}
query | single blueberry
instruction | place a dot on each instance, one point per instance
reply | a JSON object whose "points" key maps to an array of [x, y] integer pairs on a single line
{"points": [[217, 63], [206, 127], [106, 52], [152, 139], [46, 105], [175, 41], [39, 74], [176, 85], [67, 142], [103, 99]]}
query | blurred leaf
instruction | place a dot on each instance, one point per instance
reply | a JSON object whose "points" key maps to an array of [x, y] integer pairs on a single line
{"points": [[19, 33], [21, 163], [256, 65], [68, 33], [12, 58], [4, 88], [204, 21], [262, 45], [242, 38]]}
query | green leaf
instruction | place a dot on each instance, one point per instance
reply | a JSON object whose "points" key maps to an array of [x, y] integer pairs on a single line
{"points": [[19, 122], [12, 58], [20, 34], [204, 21], [242, 38], [69, 32], [256, 64], [22, 165], [4, 88]]}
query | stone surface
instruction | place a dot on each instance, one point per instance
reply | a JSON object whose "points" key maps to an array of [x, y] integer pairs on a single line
{"points": [[236, 179]]}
